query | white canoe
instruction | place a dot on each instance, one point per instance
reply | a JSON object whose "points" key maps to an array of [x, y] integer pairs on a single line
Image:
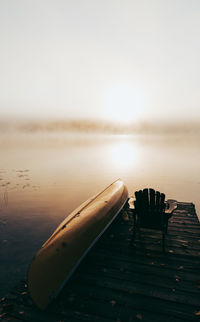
{"points": [[60, 255]]}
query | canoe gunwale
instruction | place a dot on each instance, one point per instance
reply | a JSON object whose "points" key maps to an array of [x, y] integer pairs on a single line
{"points": [[74, 214]]}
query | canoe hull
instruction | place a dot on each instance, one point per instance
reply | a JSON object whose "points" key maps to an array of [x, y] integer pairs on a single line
{"points": [[60, 255]]}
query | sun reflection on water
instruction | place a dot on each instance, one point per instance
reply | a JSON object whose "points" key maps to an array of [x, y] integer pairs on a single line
{"points": [[124, 154]]}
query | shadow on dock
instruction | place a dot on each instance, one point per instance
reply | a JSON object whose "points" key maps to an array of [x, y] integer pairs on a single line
{"points": [[116, 282]]}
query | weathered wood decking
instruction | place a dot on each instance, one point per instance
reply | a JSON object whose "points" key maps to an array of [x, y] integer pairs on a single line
{"points": [[118, 283]]}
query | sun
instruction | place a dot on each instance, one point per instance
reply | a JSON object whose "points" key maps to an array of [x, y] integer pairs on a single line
{"points": [[123, 104]]}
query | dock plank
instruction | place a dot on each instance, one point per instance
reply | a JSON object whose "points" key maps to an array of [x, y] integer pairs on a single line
{"points": [[116, 282]]}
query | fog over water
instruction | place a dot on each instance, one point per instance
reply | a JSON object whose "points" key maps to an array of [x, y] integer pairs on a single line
{"points": [[164, 127]]}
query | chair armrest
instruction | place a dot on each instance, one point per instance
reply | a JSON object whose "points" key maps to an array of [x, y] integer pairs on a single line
{"points": [[131, 203], [171, 205]]}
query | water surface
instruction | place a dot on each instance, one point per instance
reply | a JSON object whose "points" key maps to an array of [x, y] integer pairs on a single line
{"points": [[44, 176]]}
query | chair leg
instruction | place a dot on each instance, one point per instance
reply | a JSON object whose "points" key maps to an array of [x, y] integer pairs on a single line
{"points": [[139, 233], [163, 240], [134, 231], [166, 228]]}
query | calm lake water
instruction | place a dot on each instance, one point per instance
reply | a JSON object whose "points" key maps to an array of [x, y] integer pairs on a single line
{"points": [[44, 176]]}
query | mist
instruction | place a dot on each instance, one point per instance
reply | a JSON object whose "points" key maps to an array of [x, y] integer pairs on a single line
{"points": [[101, 127]]}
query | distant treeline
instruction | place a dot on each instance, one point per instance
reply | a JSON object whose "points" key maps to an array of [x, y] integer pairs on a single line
{"points": [[93, 126]]}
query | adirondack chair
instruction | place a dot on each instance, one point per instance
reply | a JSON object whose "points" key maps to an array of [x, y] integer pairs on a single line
{"points": [[150, 211]]}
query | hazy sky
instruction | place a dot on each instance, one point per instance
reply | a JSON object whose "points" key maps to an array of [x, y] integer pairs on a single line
{"points": [[114, 59]]}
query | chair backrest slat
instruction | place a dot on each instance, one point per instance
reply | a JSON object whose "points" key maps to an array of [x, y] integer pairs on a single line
{"points": [[157, 200], [152, 199], [139, 201], [145, 197], [162, 201]]}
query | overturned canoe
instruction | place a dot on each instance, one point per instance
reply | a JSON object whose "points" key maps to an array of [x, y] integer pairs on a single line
{"points": [[53, 265]]}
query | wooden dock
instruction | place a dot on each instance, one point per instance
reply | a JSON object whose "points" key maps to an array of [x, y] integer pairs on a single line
{"points": [[116, 282]]}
